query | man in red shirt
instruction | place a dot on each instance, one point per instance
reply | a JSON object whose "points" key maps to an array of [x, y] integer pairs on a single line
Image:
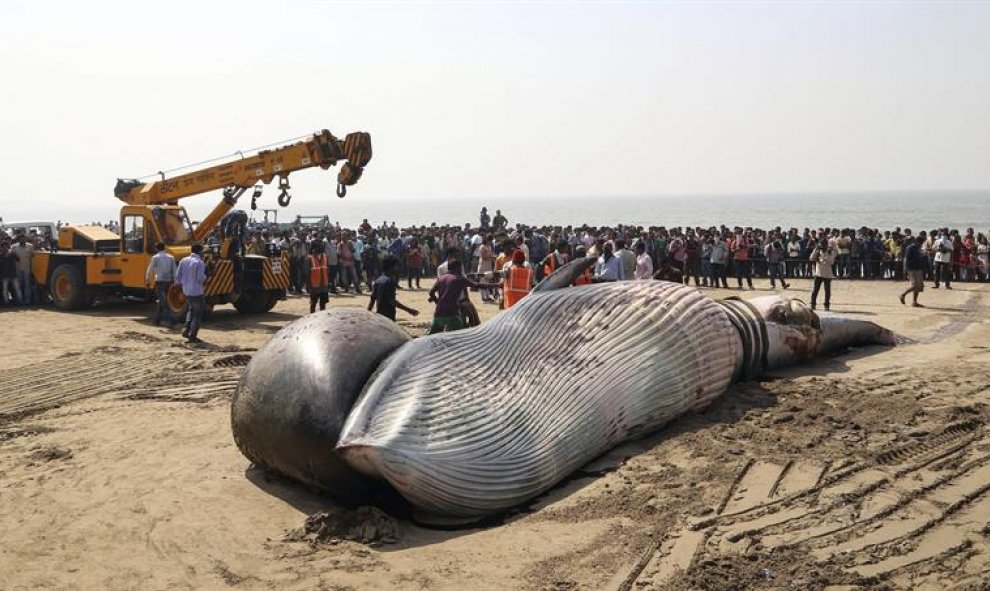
{"points": [[740, 256], [446, 292]]}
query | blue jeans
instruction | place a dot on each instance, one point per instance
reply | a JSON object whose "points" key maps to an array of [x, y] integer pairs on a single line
{"points": [[744, 270], [719, 271], [842, 267], [776, 271], [27, 286], [349, 278], [161, 304], [706, 271], [10, 286], [194, 315], [819, 281]]}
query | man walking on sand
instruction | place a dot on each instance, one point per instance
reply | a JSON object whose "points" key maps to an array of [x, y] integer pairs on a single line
{"points": [[191, 275], [383, 291], [915, 264], [162, 266], [317, 269]]}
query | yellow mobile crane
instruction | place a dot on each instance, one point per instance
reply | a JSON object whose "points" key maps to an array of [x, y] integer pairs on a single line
{"points": [[92, 262]]}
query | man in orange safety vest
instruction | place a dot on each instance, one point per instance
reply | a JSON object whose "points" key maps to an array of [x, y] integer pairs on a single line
{"points": [[318, 276], [519, 279], [557, 258]]}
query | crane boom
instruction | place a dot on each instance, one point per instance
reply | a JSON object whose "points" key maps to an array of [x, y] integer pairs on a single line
{"points": [[93, 265], [322, 149]]}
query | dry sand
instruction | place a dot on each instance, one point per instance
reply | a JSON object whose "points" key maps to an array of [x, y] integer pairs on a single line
{"points": [[866, 470]]}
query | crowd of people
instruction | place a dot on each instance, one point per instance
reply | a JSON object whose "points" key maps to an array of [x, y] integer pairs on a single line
{"points": [[17, 287], [704, 257], [351, 260], [503, 262]]}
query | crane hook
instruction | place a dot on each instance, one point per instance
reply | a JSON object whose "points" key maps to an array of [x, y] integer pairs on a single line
{"points": [[341, 190], [283, 184]]}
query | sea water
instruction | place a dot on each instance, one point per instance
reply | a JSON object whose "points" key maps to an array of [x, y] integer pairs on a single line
{"points": [[886, 211], [883, 210]]}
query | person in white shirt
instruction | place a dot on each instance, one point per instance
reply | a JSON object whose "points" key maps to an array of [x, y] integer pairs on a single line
{"points": [[608, 267], [24, 253], [474, 247], [162, 267], [521, 245], [628, 260], [719, 261], [943, 259], [644, 264], [823, 257]]}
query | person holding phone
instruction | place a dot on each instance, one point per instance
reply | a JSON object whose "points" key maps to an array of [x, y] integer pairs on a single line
{"points": [[823, 259]]}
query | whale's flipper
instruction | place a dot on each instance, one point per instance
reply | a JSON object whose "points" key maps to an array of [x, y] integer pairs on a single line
{"points": [[565, 275], [839, 332]]}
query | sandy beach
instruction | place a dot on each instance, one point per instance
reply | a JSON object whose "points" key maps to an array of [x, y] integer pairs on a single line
{"points": [[870, 469]]}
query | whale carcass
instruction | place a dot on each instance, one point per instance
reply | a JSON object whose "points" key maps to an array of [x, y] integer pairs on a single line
{"points": [[474, 422]]}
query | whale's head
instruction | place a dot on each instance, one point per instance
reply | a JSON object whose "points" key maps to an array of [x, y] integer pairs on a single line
{"points": [[794, 332], [294, 397]]}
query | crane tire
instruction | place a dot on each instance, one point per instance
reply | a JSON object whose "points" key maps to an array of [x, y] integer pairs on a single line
{"points": [[68, 288], [256, 302]]}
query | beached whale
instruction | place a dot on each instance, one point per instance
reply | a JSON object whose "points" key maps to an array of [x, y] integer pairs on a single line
{"points": [[474, 422]]}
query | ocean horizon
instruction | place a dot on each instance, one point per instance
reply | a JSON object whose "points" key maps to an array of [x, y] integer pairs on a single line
{"points": [[918, 210], [885, 210]]}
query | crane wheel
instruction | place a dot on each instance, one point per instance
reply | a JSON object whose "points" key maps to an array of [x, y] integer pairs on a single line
{"points": [[256, 302], [68, 289]]}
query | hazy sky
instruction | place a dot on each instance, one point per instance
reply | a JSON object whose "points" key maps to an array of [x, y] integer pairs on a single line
{"points": [[496, 100]]}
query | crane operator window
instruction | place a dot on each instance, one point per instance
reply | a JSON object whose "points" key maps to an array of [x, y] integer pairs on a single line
{"points": [[133, 233], [178, 230]]}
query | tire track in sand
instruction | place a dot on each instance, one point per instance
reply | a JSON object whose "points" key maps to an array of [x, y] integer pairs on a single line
{"points": [[905, 505], [40, 387]]}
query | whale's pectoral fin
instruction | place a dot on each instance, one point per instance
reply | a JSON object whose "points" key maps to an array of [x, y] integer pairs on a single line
{"points": [[839, 332], [565, 275]]}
